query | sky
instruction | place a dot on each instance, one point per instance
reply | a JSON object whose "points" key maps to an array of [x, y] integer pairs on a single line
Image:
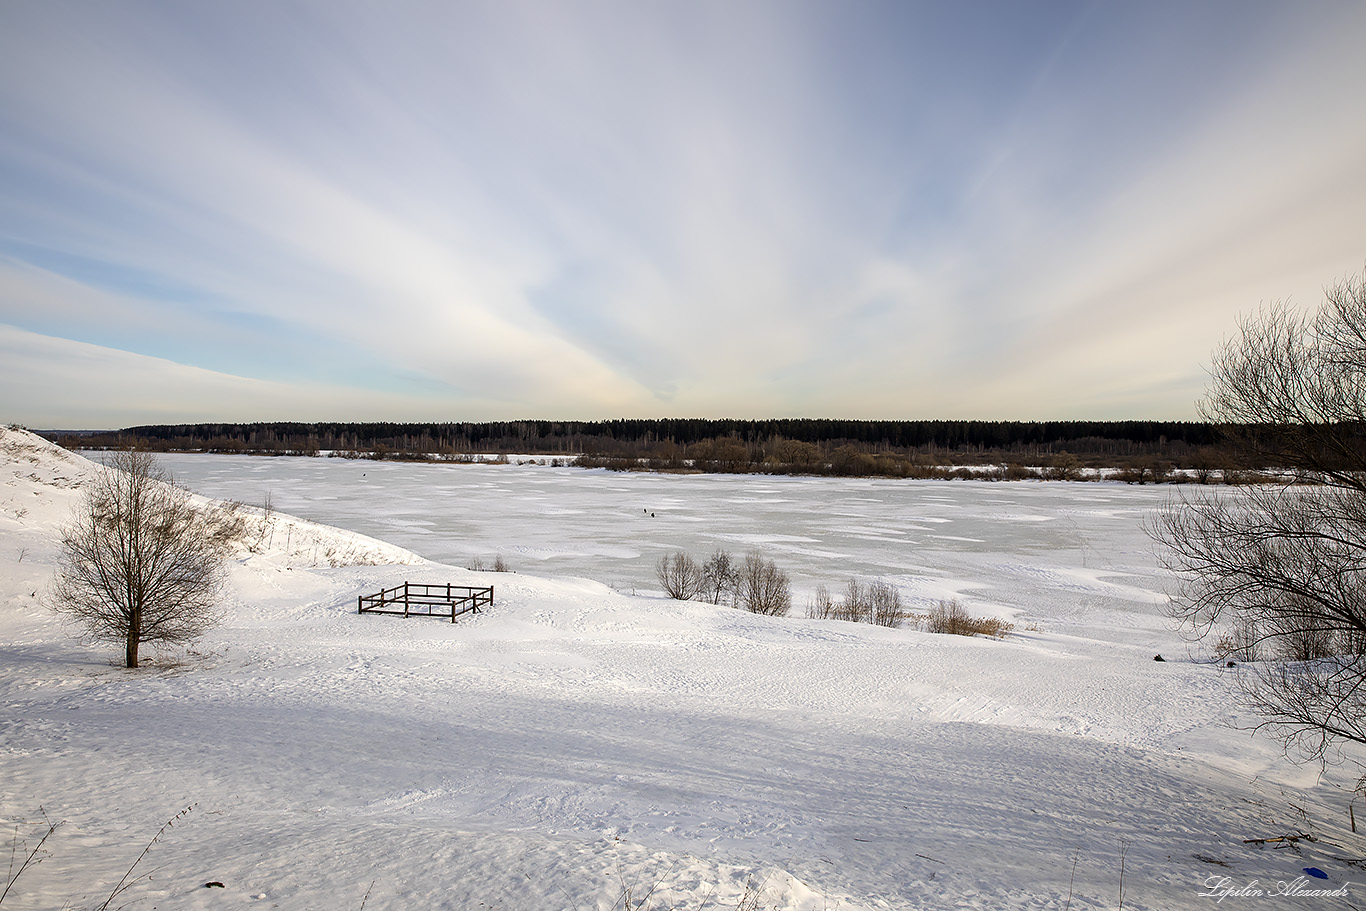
{"points": [[451, 211]]}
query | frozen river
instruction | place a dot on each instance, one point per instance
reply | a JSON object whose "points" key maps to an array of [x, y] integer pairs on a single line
{"points": [[1053, 552]]}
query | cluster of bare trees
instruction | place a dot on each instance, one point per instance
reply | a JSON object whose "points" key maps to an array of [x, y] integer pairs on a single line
{"points": [[879, 602], [876, 602], [499, 565], [1277, 573], [755, 584]]}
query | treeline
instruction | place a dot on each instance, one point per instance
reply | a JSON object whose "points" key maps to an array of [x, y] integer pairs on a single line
{"points": [[663, 437], [1141, 451]]}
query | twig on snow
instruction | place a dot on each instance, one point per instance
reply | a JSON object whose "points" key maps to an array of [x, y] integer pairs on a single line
{"points": [[29, 860], [125, 884]]}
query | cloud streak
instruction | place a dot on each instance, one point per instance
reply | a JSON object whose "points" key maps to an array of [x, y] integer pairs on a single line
{"points": [[470, 211]]}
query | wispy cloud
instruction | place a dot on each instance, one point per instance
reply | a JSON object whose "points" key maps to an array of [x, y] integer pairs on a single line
{"points": [[586, 210]]}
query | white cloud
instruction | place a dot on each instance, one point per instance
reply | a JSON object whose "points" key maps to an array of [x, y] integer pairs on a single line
{"points": [[531, 210]]}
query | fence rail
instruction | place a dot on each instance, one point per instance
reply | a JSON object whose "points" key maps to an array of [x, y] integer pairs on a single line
{"points": [[420, 599]]}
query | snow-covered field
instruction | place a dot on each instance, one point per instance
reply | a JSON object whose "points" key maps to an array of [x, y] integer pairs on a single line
{"points": [[581, 746]]}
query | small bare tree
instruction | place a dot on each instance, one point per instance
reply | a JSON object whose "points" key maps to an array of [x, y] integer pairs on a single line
{"points": [[763, 588], [885, 600], [1239, 643], [680, 575], [140, 563], [719, 577], [855, 605], [1280, 569], [821, 606], [949, 617]]}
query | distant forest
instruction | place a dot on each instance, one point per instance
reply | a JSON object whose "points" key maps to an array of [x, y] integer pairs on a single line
{"points": [[1151, 449]]}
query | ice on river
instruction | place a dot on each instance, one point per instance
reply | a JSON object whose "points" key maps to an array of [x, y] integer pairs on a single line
{"points": [[1056, 552]]}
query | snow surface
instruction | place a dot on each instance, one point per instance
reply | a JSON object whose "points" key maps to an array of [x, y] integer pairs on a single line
{"points": [[578, 745]]}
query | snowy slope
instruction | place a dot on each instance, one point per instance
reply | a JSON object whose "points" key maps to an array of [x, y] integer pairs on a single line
{"points": [[574, 746]]}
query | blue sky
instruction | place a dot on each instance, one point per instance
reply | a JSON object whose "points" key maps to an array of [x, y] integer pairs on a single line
{"points": [[272, 210]]}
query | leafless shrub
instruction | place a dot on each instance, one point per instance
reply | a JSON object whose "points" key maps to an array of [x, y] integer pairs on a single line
{"points": [[225, 523], [1239, 643], [499, 565], [265, 528], [1297, 634], [140, 562], [763, 588], [1145, 471], [1014, 471], [950, 617], [855, 606], [680, 575], [1063, 467], [885, 601], [720, 576], [821, 606]]}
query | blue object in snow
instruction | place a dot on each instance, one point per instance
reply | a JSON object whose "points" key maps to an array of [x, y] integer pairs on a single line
{"points": [[1316, 872]]}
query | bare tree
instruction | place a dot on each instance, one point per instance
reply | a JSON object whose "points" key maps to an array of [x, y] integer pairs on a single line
{"points": [[855, 606], [821, 606], [680, 575], [885, 600], [763, 588], [1280, 569], [140, 563], [949, 617], [719, 577]]}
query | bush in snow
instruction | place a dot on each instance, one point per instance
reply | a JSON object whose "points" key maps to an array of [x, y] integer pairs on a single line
{"points": [[499, 565], [821, 606], [680, 575], [885, 601], [719, 577], [950, 617], [763, 588]]}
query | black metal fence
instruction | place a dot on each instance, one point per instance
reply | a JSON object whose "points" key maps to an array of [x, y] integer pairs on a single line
{"points": [[425, 600]]}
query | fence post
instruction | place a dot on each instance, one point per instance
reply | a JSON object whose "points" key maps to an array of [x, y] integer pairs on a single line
{"points": [[405, 597]]}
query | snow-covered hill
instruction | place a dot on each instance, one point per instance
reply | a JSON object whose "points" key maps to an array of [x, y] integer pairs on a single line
{"points": [[577, 748]]}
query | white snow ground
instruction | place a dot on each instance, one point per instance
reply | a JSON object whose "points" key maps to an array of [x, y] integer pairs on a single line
{"points": [[575, 745]]}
